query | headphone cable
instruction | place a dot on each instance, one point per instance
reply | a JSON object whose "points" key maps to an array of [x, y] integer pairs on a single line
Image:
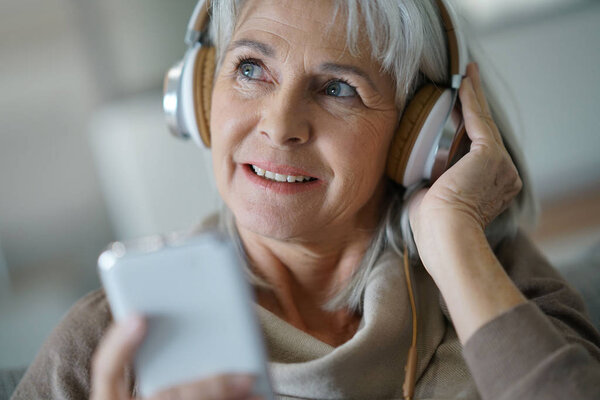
{"points": [[411, 360]]}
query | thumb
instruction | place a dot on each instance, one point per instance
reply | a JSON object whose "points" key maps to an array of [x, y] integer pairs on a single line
{"points": [[113, 355]]}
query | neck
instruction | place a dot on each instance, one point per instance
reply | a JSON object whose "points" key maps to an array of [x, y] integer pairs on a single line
{"points": [[305, 272], [302, 277]]}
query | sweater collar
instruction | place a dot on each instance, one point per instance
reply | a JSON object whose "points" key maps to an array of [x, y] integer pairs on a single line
{"points": [[371, 364]]}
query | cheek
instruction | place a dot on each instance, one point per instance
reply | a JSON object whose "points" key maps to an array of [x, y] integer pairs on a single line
{"points": [[231, 120], [365, 145], [217, 134], [223, 128], [359, 158], [219, 117]]}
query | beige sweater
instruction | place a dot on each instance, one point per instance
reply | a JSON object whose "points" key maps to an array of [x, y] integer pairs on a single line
{"points": [[545, 349]]}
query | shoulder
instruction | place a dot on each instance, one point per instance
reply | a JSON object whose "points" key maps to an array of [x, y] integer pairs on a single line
{"points": [[61, 369], [92, 307], [84, 324], [543, 285]]}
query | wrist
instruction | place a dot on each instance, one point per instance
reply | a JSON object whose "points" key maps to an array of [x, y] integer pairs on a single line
{"points": [[445, 219], [441, 238], [464, 267]]}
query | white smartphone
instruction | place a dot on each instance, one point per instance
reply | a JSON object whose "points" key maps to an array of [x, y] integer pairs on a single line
{"points": [[198, 305]]}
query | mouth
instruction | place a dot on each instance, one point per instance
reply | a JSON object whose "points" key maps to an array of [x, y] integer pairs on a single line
{"points": [[276, 177]]}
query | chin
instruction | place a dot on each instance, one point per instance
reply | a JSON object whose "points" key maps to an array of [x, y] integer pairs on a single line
{"points": [[272, 224]]}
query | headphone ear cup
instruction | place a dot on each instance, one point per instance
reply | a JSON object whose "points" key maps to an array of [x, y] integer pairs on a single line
{"points": [[204, 69], [410, 127]]}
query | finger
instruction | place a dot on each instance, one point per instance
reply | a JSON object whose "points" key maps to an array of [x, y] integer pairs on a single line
{"points": [[480, 126], [473, 73], [221, 387], [113, 355]]}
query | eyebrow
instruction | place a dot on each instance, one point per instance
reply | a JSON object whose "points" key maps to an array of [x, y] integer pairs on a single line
{"points": [[263, 48], [333, 68]]}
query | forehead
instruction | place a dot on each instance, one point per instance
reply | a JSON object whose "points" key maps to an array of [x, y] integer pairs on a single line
{"points": [[289, 23]]}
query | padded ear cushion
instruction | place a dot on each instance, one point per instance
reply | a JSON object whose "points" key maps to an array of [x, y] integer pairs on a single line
{"points": [[204, 69], [411, 123]]}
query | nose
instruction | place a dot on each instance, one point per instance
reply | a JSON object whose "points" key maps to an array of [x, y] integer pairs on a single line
{"points": [[285, 120]]}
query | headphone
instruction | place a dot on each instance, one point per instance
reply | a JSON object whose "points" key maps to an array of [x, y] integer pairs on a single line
{"points": [[430, 136]]}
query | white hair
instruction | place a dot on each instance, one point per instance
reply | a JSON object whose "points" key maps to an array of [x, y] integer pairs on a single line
{"points": [[408, 39]]}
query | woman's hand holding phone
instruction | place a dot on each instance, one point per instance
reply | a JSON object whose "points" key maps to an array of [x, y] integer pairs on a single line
{"points": [[199, 336], [116, 351]]}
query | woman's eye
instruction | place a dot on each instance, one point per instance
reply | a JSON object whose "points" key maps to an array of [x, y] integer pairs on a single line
{"points": [[340, 89], [251, 70]]}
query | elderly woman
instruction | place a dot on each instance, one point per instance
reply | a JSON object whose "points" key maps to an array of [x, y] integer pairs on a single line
{"points": [[306, 101]]}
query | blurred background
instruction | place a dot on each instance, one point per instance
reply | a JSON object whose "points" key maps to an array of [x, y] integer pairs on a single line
{"points": [[85, 157]]}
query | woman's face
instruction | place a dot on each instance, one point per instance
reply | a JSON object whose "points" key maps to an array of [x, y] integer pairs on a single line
{"points": [[300, 128]]}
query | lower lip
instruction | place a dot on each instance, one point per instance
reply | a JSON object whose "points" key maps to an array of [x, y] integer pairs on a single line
{"points": [[279, 187]]}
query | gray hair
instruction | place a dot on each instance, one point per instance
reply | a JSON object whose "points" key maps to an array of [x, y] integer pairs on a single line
{"points": [[408, 40]]}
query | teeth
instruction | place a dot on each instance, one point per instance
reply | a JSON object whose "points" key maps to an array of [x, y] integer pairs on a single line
{"points": [[279, 177]]}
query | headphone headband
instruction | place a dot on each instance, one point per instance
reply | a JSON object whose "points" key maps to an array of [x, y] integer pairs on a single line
{"points": [[198, 23], [457, 48]]}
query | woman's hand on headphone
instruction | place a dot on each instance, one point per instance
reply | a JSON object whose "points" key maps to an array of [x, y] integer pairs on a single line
{"points": [[115, 353], [482, 183], [475, 190], [448, 220]]}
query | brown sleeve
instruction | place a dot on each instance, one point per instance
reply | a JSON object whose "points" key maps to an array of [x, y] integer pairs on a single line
{"points": [[521, 355], [544, 349], [61, 369]]}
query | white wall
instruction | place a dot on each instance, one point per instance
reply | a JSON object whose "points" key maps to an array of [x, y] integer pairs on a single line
{"points": [[60, 60], [552, 67], [50, 203], [4, 277], [152, 182]]}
